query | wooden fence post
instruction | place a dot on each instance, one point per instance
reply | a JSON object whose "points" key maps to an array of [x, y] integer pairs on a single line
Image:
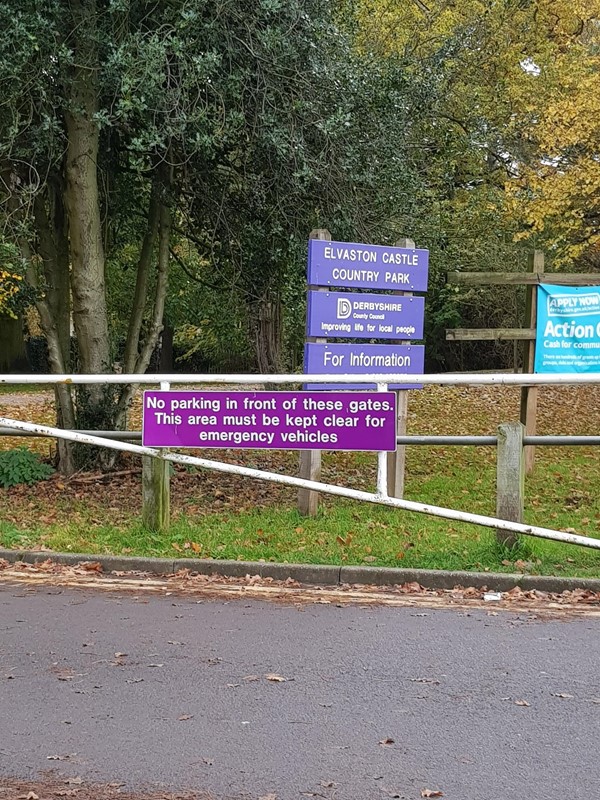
{"points": [[156, 493], [529, 394], [510, 479], [310, 460], [396, 460]]}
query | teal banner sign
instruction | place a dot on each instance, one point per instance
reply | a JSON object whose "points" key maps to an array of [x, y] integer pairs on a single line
{"points": [[568, 329]]}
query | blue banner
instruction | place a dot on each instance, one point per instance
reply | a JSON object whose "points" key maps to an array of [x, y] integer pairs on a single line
{"points": [[568, 329]]}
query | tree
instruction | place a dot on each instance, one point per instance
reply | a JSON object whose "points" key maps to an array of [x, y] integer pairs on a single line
{"points": [[61, 90], [521, 82]]}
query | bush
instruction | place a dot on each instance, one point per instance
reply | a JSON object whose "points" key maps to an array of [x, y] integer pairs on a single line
{"points": [[22, 466]]}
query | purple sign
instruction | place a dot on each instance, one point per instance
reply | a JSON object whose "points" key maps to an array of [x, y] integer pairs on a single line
{"points": [[270, 420], [376, 359], [367, 266], [365, 316]]}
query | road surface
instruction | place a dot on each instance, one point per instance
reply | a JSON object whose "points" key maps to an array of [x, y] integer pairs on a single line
{"points": [[249, 699]]}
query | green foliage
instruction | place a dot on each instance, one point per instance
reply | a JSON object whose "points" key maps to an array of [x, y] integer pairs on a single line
{"points": [[274, 122], [15, 292], [22, 466]]}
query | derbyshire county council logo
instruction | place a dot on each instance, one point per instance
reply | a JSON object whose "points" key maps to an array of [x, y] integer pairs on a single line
{"points": [[344, 308]]}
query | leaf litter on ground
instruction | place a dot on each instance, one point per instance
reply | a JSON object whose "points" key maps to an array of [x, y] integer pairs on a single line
{"points": [[188, 583]]}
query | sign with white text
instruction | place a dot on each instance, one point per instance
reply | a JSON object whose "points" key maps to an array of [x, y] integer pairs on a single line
{"points": [[354, 359], [367, 266], [365, 316], [270, 420], [568, 329]]}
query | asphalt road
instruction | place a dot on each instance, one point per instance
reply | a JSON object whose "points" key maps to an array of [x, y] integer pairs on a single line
{"points": [[172, 692]]}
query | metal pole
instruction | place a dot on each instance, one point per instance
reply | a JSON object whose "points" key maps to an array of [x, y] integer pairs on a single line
{"points": [[382, 459], [443, 379]]}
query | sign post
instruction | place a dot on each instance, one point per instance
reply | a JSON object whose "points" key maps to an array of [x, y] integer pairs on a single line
{"points": [[529, 394], [310, 460], [396, 461], [399, 317]]}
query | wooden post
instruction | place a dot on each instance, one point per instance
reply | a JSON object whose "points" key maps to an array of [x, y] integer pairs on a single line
{"points": [[156, 494], [529, 394], [310, 460], [510, 479], [396, 460]]}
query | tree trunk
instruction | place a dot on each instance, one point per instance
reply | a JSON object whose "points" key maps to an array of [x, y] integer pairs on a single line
{"points": [[53, 248], [159, 218], [141, 286], [268, 333], [90, 315], [95, 403]]}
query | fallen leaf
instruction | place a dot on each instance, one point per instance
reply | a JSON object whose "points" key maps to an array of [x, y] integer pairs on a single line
{"points": [[275, 678], [563, 695], [522, 703], [270, 796], [184, 717], [31, 796], [91, 566], [251, 678], [431, 793], [61, 758], [387, 741], [209, 761], [196, 547]]}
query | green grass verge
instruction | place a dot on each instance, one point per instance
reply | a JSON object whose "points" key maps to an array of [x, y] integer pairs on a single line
{"points": [[347, 532], [216, 517], [25, 388]]}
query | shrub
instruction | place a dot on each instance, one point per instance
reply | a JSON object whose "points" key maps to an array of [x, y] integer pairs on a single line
{"points": [[22, 466]]}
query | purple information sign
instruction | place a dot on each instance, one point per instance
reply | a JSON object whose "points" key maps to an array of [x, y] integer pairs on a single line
{"points": [[354, 359], [270, 420], [365, 316], [367, 266]]}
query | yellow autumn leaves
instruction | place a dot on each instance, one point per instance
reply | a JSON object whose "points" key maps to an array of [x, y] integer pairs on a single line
{"points": [[9, 289], [528, 74]]}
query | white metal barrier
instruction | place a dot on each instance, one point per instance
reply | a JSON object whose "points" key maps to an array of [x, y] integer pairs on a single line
{"points": [[382, 381]]}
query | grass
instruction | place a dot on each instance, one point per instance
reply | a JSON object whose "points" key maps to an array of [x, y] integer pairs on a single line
{"points": [[216, 516], [24, 388]]}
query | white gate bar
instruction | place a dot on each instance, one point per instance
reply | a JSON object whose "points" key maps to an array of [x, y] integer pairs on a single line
{"points": [[382, 480], [317, 486], [446, 379]]}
